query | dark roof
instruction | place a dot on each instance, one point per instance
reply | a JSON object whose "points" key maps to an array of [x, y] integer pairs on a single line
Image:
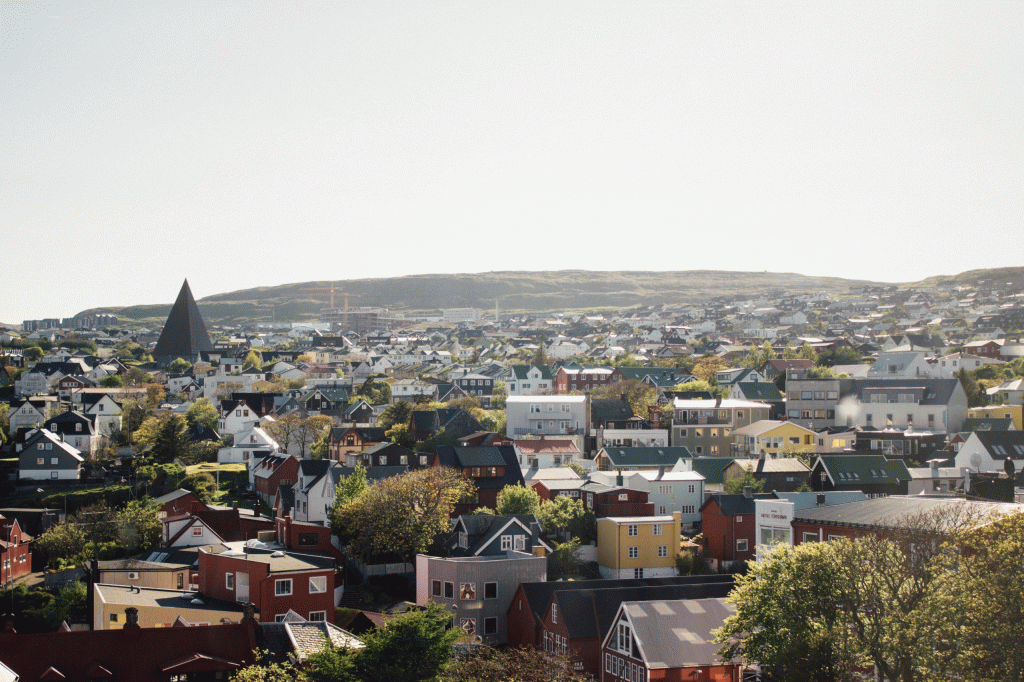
{"points": [[184, 334], [610, 409], [481, 529], [936, 391], [1009, 443], [863, 469], [764, 391], [892, 511], [972, 424], [737, 504], [711, 468], [650, 457], [589, 613], [454, 457], [539, 594]]}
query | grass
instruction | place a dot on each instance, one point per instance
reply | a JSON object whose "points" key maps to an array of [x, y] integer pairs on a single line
{"points": [[234, 478]]}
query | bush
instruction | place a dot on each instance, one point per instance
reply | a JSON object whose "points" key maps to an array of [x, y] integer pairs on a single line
{"points": [[691, 561]]}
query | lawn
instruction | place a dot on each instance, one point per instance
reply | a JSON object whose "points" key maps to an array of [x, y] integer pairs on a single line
{"points": [[234, 479]]}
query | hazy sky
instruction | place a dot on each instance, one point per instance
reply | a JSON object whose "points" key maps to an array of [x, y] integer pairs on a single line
{"points": [[258, 143]]}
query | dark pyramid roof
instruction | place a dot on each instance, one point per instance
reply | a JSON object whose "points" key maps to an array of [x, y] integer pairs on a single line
{"points": [[184, 334]]}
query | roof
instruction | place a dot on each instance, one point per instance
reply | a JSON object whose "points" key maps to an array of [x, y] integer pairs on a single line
{"points": [[759, 391], [986, 424], [711, 468], [893, 511], [454, 457], [863, 469], [1002, 444], [936, 391], [774, 465], [610, 409], [765, 426], [184, 334], [178, 600], [544, 445], [737, 504], [678, 633], [652, 457]]}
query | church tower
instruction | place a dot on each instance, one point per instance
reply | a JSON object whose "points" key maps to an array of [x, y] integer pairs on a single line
{"points": [[184, 335]]}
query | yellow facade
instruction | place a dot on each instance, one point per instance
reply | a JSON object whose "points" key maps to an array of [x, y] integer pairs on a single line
{"points": [[785, 437], [1014, 412], [632, 542], [156, 608]]}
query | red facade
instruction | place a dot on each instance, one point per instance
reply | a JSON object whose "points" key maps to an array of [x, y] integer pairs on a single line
{"points": [[522, 629], [619, 502], [284, 473], [583, 653], [727, 537], [223, 576], [15, 559]]}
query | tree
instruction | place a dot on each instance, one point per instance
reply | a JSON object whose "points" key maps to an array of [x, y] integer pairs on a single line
{"points": [[707, 368], [499, 393], [309, 431], [375, 392], [540, 357], [350, 487], [252, 359], [113, 381], [400, 435], [180, 365], [138, 526], [332, 664], [735, 486], [639, 394], [283, 430], [565, 562], [202, 413], [267, 670], [414, 647], [517, 499], [820, 372], [395, 413], [565, 517], [171, 441], [788, 617], [839, 356], [976, 396], [203, 484], [487, 664], [32, 353], [980, 603], [401, 514]]}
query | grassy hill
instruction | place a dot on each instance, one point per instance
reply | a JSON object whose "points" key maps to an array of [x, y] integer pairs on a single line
{"points": [[518, 292]]}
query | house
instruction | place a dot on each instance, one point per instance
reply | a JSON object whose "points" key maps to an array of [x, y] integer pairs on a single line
{"points": [[547, 415], [158, 608], [706, 426], [761, 392], [178, 502], [204, 526], [875, 475], [936, 405], [638, 546], [573, 617], [635, 646], [569, 379], [346, 441], [544, 453], [249, 445], [521, 380], [15, 557], [773, 438], [310, 538], [237, 416], [639, 458], [783, 474], [669, 490], [454, 422], [272, 471], [936, 479], [728, 377], [105, 413], [494, 535], [773, 368], [987, 451], [139, 573], [901, 365], [1011, 412], [1008, 392], [276, 582], [392, 455], [490, 468], [481, 386], [75, 429], [30, 413], [45, 456], [310, 472]]}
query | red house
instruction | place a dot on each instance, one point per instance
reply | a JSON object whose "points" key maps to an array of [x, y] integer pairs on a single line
{"points": [[616, 500], [275, 582], [273, 471], [729, 529], [15, 559]]}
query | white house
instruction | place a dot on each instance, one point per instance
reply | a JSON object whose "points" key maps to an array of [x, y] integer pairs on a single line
{"points": [[547, 415], [249, 444]]}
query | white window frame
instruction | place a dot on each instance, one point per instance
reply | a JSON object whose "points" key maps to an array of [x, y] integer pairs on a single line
{"points": [[278, 587], [318, 616], [317, 584], [229, 581], [634, 552]]}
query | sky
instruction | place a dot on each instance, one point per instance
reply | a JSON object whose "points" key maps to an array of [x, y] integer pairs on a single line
{"points": [[254, 143]]}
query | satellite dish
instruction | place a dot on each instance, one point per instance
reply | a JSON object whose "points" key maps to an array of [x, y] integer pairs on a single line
{"points": [[976, 461]]}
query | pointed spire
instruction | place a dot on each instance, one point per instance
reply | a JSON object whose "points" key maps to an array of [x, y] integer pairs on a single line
{"points": [[184, 335]]}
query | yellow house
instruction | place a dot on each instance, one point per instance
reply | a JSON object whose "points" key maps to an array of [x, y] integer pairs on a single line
{"points": [[773, 437], [158, 608], [638, 546], [1012, 412]]}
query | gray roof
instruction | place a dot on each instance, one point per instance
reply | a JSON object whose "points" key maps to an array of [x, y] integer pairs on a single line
{"points": [[677, 633], [894, 511], [184, 334], [653, 456]]}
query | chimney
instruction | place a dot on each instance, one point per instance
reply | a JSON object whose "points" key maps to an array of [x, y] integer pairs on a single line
{"points": [[820, 500], [249, 612], [718, 400], [747, 491], [131, 618]]}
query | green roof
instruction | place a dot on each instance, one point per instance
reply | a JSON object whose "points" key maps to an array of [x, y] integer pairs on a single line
{"points": [[760, 390], [865, 469], [972, 424], [711, 468]]}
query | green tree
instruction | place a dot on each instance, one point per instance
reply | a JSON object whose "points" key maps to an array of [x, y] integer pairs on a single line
{"points": [[180, 366], [375, 392], [540, 356], [414, 647], [171, 441], [820, 372], [202, 413], [499, 393], [735, 486], [788, 617], [976, 396], [267, 670], [203, 484], [395, 413], [639, 394], [517, 499], [350, 487], [565, 517], [32, 353], [400, 434], [138, 526], [565, 562], [332, 664], [309, 431], [807, 352], [839, 356], [401, 514], [252, 359]]}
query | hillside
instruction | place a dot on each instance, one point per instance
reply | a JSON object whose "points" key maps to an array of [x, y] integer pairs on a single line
{"points": [[518, 292]]}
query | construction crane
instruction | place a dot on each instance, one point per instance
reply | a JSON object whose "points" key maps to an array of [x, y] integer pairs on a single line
{"points": [[331, 290]]}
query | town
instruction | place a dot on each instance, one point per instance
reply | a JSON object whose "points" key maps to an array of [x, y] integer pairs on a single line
{"points": [[804, 485]]}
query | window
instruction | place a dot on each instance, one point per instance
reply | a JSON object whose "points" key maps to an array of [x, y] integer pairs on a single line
{"points": [[688, 509], [520, 543], [181, 580], [467, 590], [318, 616], [490, 625], [692, 488], [317, 584], [229, 581], [638, 573], [40, 461], [463, 540], [449, 590], [623, 497], [53, 474], [197, 531], [307, 540], [283, 588], [634, 552], [741, 545], [435, 588], [490, 590], [657, 529], [279, 618], [113, 618], [662, 551], [632, 530], [54, 461], [810, 537], [609, 663], [554, 613]]}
